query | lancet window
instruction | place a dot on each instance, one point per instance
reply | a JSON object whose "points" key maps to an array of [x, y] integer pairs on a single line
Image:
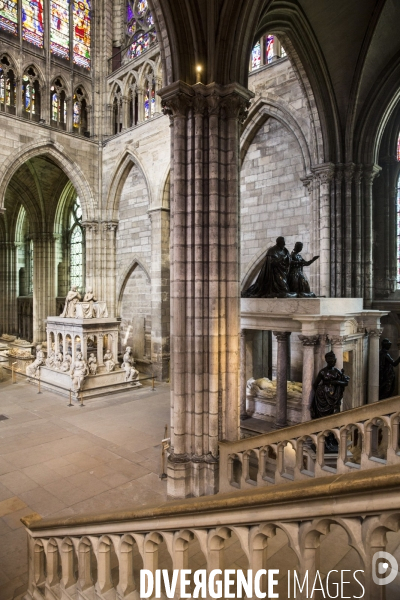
{"points": [[7, 87], [31, 95], [150, 98], [76, 245], [266, 51], [117, 110], [79, 112], [58, 104]]}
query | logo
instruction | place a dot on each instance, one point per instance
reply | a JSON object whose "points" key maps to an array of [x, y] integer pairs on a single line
{"points": [[384, 564]]}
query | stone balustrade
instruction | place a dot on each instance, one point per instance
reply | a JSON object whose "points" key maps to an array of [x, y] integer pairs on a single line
{"points": [[367, 437], [331, 522]]}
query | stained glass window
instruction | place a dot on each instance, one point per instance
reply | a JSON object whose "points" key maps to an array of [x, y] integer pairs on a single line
{"points": [[7, 89], [55, 107], [140, 27], [76, 245], [256, 57], [283, 52], [32, 22], [29, 96], [398, 148], [82, 35], [59, 29], [9, 16], [269, 48], [77, 113]]}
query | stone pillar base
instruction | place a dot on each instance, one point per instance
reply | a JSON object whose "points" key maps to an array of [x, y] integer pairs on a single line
{"points": [[192, 479]]}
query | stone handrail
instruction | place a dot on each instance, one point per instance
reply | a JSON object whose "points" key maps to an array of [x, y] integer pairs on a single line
{"points": [[100, 556], [366, 437]]}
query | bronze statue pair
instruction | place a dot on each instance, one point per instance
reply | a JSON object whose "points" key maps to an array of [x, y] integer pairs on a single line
{"points": [[282, 275]]}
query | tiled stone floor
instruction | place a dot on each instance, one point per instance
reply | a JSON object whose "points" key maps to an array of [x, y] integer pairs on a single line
{"points": [[56, 461]]}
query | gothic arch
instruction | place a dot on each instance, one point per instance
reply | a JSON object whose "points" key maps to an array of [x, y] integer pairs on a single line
{"points": [[125, 278], [70, 168], [121, 172], [272, 106]]}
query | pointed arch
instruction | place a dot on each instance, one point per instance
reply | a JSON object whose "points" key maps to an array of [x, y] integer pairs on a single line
{"points": [[67, 165], [124, 166], [270, 105], [123, 280]]}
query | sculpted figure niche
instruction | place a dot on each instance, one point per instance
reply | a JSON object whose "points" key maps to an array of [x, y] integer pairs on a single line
{"points": [[281, 275]]}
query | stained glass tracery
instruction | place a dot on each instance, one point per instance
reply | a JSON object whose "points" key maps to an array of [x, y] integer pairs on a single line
{"points": [[82, 33], [140, 27], [9, 16], [32, 22], [59, 28]]}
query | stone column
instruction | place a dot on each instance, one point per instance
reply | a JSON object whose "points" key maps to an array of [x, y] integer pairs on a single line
{"points": [[348, 263], [358, 233], [92, 272], [243, 378], [309, 343], [373, 365], [108, 284], [160, 291], [281, 378], [100, 354], [205, 284], [325, 173], [337, 343], [140, 95], [8, 285], [369, 175], [44, 283]]}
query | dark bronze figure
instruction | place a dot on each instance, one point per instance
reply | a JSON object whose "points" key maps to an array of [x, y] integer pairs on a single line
{"points": [[298, 282], [328, 394], [386, 370], [272, 281]]}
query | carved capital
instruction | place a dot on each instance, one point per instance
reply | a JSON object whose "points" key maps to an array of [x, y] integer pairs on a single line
{"points": [[358, 173], [337, 340], [324, 172], [110, 226], [370, 172], [282, 336], [349, 169], [309, 340], [199, 105], [177, 106], [375, 333], [236, 107], [90, 226]]}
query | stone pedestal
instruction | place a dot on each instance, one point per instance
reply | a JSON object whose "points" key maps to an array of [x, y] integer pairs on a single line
{"points": [[323, 323]]}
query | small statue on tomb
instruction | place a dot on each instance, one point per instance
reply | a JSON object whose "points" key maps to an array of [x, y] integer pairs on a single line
{"points": [[108, 361], [50, 359], [66, 363], [386, 370], [297, 280], [71, 301], [31, 370], [328, 389], [58, 361], [131, 374], [92, 362], [78, 372], [272, 281], [89, 312]]}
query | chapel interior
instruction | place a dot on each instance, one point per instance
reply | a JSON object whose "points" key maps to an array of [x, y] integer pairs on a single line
{"points": [[153, 413]]}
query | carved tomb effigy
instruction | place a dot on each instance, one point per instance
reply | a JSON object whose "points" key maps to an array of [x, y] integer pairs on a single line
{"points": [[82, 346], [280, 301]]}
